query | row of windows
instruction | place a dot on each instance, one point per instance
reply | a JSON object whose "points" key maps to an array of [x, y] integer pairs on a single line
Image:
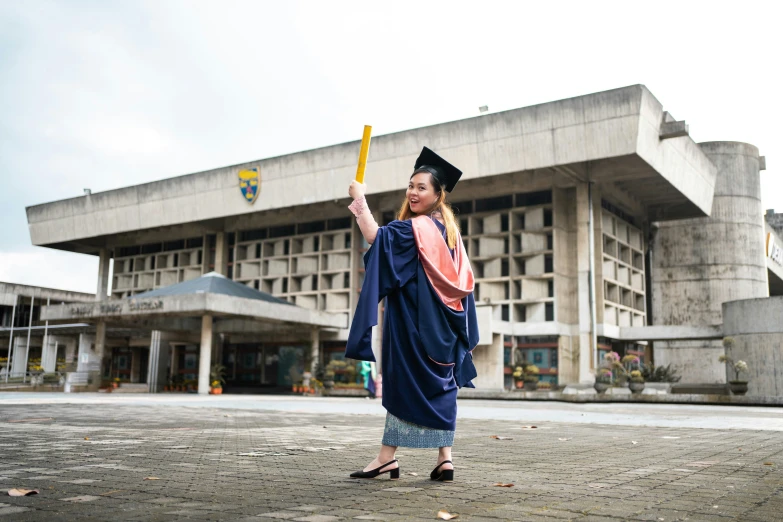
{"points": [[293, 230], [166, 246]]}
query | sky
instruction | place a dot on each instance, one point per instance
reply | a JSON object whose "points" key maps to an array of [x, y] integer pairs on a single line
{"points": [[102, 95]]}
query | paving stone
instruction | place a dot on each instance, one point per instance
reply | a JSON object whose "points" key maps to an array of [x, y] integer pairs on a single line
{"points": [[300, 471]]}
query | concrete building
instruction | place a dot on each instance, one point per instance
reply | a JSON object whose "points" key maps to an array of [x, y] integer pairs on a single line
{"points": [[593, 223], [775, 221], [27, 341]]}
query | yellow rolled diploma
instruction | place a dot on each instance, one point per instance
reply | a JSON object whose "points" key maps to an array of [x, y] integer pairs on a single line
{"points": [[363, 153]]}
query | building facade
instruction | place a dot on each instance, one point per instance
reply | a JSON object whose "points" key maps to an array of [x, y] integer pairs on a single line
{"points": [[592, 224]]}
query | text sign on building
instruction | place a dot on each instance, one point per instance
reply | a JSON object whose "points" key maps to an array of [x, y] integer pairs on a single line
{"points": [[116, 308], [774, 250]]}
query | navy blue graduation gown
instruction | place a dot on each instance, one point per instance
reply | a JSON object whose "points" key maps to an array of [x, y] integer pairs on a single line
{"points": [[426, 345]]}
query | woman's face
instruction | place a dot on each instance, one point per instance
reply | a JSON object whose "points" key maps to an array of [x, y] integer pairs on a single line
{"points": [[421, 194]]}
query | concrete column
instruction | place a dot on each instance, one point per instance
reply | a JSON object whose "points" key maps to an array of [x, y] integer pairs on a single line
{"points": [[71, 354], [315, 351], [103, 274], [585, 350], [489, 364], [221, 253], [102, 354], [49, 356], [19, 359], [699, 264], [205, 356], [157, 374]]}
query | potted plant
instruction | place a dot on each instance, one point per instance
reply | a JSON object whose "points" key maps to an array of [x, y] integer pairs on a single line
{"points": [[518, 375], [636, 381], [737, 386], [603, 380], [217, 374], [531, 377], [115, 382], [544, 385]]}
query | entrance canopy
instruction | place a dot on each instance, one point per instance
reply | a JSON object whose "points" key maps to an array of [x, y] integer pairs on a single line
{"points": [[234, 307]]}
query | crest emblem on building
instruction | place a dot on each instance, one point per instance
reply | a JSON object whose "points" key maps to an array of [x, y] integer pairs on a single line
{"points": [[250, 183]]}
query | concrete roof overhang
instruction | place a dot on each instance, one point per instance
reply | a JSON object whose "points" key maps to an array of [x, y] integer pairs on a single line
{"points": [[184, 312], [620, 138]]}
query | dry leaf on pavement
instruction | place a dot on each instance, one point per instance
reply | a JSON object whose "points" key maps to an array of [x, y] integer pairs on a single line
{"points": [[151, 478], [445, 515], [767, 463], [19, 492], [501, 485], [86, 438], [498, 437]]}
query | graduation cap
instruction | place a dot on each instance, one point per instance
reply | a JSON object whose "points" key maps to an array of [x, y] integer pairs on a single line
{"points": [[447, 174]]}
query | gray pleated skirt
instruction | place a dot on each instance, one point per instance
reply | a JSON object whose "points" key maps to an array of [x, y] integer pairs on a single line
{"points": [[406, 434]]}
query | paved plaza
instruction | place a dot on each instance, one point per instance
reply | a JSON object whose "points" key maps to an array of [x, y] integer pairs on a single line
{"points": [[167, 457]]}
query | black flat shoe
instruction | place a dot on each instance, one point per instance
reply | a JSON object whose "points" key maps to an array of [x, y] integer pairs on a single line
{"points": [[394, 474], [445, 475]]}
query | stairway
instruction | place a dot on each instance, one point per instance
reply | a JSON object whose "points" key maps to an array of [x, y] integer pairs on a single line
{"points": [[132, 388]]}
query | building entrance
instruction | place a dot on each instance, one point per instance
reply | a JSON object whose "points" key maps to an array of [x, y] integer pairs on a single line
{"points": [[254, 367]]}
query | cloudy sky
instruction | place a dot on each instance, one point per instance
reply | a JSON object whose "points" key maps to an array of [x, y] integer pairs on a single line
{"points": [[103, 94]]}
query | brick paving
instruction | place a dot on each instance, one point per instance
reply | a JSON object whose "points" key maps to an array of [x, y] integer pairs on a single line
{"points": [[123, 462]]}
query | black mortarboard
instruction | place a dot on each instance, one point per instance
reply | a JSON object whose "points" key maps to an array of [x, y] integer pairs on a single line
{"points": [[447, 174]]}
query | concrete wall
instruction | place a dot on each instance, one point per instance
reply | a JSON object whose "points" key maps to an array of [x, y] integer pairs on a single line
{"points": [[9, 290], [699, 264], [757, 328], [613, 124]]}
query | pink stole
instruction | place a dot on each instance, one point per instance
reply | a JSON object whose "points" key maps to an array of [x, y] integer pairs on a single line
{"points": [[451, 278]]}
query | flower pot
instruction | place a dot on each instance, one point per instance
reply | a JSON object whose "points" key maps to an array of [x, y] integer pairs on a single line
{"points": [[519, 384], [115, 385], [601, 387], [636, 387], [531, 385], [216, 391], [738, 387]]}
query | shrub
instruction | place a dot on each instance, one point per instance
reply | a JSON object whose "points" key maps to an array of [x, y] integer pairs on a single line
{"points": [[666, 373]]}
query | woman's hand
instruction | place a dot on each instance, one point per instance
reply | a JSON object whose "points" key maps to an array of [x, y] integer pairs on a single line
{"points": [[357, 190]]}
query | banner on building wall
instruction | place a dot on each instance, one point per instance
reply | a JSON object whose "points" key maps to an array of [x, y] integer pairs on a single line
{"points": [[774, 250]]}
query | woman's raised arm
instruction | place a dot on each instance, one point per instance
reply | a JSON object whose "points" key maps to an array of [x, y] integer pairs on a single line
{"points": [[359, 208]]}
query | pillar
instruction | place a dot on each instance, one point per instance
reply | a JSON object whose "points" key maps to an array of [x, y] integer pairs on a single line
{"points": [[159, 362], [205, 355], [315, 352], [699, 264], [103, 275], [102, 355], [584, 353], [49, 355], [221, 253], [19, 359]]}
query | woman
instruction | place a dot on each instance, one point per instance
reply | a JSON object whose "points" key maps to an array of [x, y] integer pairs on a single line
{"points": [[419, 264]]}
